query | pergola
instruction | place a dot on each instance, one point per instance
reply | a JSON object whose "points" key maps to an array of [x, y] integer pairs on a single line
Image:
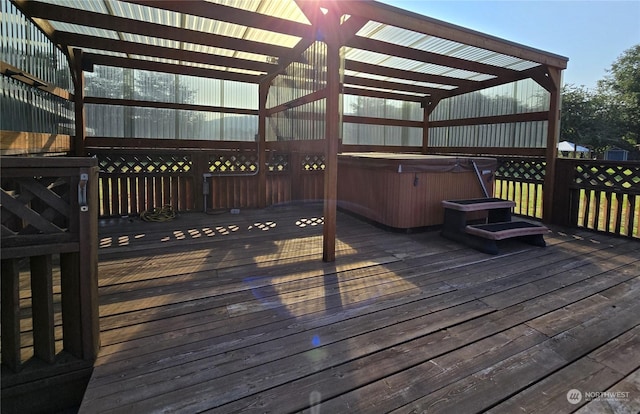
{"points": [[322, 50], [112, 108]]}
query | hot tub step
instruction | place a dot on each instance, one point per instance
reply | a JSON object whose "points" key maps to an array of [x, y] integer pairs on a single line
{"points": [[506, 230]]}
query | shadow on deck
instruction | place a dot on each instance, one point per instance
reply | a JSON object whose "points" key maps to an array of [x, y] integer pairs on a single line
{"points": [[228, 313]]}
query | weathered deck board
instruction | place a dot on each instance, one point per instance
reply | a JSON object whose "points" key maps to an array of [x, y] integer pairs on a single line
{"points": [[234, 313]]}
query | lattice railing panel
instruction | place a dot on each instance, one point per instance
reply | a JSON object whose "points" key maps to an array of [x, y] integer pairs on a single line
{"points": [[313, 162], [527, 170], [144, 164], [278, 162], [35, 205], [233, 163], [623, 178], [131, 181], [49, 212], [605, 196], [520, 180]]}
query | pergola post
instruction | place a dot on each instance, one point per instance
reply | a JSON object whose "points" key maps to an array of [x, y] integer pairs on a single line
{"points": [[263, 91], [428, 105], [78, 100], [332, 135], [425, 128], [551, 153]]}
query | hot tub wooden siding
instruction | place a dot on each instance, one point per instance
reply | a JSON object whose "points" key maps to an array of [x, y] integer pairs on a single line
{"points": [[371, 185]]}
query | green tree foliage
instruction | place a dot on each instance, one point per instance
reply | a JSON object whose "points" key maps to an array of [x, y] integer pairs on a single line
{"points": [[609, 116], [622, 87]]}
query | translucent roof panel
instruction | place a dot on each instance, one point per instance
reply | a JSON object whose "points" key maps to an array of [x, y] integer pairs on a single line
{"points": [[386, 90], [254, 37], [167, 43], [424, 42], [397, 80], [201, 24], [83, 30], [226, 69], [409, 64], [144, 13], [195, 65], [92, 6], [104, 52], [285, 9], [190, 22], [148, 40]]}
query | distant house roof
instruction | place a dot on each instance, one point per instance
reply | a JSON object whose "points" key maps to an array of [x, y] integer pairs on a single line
{"points": [[570, 146]]}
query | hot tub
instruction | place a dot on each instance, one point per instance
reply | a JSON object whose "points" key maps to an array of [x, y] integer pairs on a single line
{"points": [[406, 190]]}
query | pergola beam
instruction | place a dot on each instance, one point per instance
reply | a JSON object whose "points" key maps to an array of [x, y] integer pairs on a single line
{"points": [[94, 100]]}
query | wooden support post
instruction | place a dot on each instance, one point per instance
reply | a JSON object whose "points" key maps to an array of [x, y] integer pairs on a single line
{"points": [[10, 329], [88, 284], [332, 135], [428, 105], [565, 209], [553, 131], [70, 302], [263, 91], [44, 346], [78, 100], [200, 162], [425, 128], [295, 165]]}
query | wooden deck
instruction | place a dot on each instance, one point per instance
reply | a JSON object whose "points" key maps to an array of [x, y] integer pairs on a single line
{"points": [[227, 313]]}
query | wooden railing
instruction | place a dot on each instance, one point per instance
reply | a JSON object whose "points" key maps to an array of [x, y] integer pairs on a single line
{"points": [[599, 195], [49, 275], [602, 196], [520, 180], [132, 181]]}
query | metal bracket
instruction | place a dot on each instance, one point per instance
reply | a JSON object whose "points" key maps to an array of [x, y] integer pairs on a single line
{"points": [[479, 177], [82, 192]]}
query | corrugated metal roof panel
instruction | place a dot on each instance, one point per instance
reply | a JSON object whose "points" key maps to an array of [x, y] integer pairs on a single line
{"points": [[233, 70], [407, 64], [147, 40], [83, 30], [195, 65], [386, 90], [253, 56], [420, 41], [103, 52], [481, 77], [210, 50], [523, 65], [285, 9], [144, 13], [93, 6], [272, 38], [398, 80]]}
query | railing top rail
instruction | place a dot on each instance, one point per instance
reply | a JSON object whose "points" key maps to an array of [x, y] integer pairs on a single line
{"points": [[47, 162], [577, 161]]}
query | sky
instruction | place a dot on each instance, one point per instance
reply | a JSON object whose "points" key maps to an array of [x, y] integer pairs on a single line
{"points": [[592, 34]]}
